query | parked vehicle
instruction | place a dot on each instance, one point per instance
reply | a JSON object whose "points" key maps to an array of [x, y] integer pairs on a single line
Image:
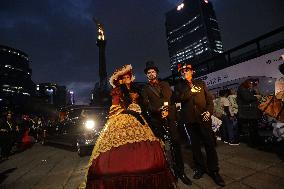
{"points": [[79, 128]]}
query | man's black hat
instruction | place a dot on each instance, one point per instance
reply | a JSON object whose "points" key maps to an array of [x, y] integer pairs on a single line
{"points": [[150, 65], [185, 65]]}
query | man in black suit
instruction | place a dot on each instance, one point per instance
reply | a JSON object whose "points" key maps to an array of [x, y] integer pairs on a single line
{"points": [[196, 110], [161, 116]]}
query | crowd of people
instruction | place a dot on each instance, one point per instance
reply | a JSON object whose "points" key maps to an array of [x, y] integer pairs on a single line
{"points": [[19, 131], [241, 113]]}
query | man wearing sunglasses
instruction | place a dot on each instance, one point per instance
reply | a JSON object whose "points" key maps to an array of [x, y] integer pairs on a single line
{"points": [[161, 116], [196, 110]]}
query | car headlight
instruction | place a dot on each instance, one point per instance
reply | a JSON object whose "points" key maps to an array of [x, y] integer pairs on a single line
{"points": [[90, 124]]}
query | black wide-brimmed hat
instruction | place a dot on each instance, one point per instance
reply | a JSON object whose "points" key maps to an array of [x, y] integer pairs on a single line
{"points": [[150, 65]]}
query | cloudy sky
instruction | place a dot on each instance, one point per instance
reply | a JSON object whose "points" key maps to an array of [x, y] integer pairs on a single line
{"points": [[60, 36]]}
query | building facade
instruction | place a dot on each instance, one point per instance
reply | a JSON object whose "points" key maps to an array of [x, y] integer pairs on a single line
{"points": [[192, 33], [53, 94], [16, 86]]}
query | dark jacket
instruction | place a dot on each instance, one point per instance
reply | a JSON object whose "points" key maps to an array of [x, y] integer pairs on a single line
{"points": [[7, 127], [153, 99], [247, 104], [155, 96], [193, 104]]}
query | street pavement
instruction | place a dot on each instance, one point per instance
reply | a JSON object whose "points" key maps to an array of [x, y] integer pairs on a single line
{"points": [[48, 167]]}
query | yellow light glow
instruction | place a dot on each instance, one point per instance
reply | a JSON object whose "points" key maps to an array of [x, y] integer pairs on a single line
{"points": [[90, 124], [101, 33]]}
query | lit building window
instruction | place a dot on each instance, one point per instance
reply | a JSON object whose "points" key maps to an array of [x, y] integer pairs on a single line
{"points": [[185, 34], [179, 7], [28, 94], [187, 23], [216, 29], [217, 41], [218, 51]]}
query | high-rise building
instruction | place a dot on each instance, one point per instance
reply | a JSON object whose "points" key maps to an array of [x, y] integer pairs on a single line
{"points": [[16, 86], [51, 93], [192, 33]]}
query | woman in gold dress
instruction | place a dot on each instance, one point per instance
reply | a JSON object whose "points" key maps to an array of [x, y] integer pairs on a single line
{"points": [[127, 155]]}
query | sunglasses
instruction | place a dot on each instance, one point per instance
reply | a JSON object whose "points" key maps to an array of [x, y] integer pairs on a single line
{"points": [[186, 70]]}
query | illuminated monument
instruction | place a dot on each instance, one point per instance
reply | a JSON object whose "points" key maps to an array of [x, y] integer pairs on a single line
{"points": [[100, 95], [101, 43]]}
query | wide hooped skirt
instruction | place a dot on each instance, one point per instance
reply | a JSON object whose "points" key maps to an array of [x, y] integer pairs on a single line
{"points": [[138, 165]]}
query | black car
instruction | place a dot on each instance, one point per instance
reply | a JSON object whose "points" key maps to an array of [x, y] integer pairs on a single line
{"points": [[80, 128]]}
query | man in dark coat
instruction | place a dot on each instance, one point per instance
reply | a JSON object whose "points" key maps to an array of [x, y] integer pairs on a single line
{"points": [[196, 110], [7, 134], [248, 112], [161, 116]]}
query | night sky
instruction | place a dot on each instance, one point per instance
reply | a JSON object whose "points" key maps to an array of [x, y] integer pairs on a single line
{"points": [[60, 36]]}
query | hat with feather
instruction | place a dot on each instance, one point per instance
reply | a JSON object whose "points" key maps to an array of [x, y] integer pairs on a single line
{"points": [[116, 77]]}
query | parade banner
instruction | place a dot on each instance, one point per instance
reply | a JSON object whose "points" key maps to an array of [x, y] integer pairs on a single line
{"points": [[265, 65]]}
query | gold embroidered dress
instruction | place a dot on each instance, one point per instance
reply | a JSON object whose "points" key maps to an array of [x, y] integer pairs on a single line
{"points": [[127, 155]]}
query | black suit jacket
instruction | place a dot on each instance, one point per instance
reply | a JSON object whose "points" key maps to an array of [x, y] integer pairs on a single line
{"points": [[247, 104], [153, 98], [193, 102]]}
